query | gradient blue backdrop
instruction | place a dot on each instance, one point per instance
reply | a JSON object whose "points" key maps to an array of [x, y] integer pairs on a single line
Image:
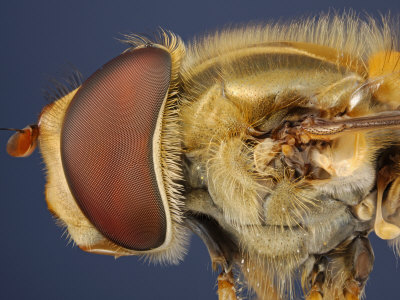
{"points": [[38, 39]]}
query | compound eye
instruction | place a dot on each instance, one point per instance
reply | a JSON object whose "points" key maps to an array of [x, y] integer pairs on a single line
{"points": [[110, 143]]}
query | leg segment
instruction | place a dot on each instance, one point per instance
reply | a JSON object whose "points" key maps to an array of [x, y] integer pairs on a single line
{"points": [[342, 274], [226, 286], [317, 279]]}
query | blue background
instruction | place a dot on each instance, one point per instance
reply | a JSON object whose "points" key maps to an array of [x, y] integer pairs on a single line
{"points": [[38, 39]]}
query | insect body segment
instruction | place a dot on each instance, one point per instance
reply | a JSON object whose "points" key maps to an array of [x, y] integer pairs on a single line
{"points": [[276, 145]]}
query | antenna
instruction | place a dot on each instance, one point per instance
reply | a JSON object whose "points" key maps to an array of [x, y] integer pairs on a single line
{"points": [[23, 142]]}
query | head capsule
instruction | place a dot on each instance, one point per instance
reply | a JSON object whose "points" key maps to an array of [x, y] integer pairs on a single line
{"points": [[108, 146]]}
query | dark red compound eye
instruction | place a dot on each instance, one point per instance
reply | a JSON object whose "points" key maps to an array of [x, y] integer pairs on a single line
{"points": [[107, 148]]}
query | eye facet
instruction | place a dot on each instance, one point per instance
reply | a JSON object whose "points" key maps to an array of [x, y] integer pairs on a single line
{"points": [[109, 143]]}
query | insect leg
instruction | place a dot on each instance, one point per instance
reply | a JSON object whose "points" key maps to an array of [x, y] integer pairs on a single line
{"points": [[221, 247], [317, 279], [222, 250], [226, 286], [343, 273], [260, 278], [387, 223], [314, 295], [359, 263]]}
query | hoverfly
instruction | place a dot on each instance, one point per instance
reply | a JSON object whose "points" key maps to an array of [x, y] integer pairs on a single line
{"points": [[277, 145]]}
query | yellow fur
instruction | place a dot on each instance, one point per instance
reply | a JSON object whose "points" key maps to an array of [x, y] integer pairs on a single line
{"points": [[243, 77]]}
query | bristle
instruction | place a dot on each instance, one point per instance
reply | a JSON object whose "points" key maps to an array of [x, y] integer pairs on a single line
{"points": [[170, 155], [58, 88], [395, 244]]}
